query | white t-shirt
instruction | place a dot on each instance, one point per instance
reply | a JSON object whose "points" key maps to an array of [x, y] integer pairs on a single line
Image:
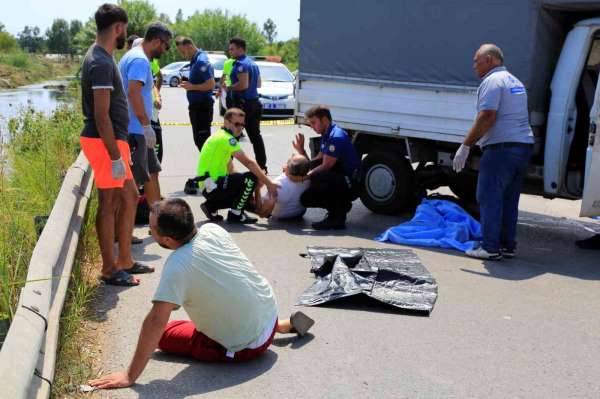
{"points": [[288, 198], [220, 290]]}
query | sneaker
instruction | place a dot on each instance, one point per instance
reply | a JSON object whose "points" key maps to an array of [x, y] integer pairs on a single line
{"points": [[212, 216], [589, 243], [481, 253], [240, 219], [507, 253], [330, 223]]}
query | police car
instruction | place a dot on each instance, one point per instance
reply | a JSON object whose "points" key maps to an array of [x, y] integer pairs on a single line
{"points": [[175, 72], [277, 91]]}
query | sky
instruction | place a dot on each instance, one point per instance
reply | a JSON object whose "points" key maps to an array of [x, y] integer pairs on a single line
{"points": [[284, 13]]}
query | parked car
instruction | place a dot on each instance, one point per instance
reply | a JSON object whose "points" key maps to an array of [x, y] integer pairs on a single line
{"points": [[173, 73], [276, 93]]}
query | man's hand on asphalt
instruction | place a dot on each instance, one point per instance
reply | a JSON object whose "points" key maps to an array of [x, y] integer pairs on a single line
{"points": [[150, 136], [299, 143], [460, 158], [118, 169], [114, 380]]}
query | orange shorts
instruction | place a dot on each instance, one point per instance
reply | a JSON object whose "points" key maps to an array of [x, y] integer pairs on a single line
{"points": [[97, 155]]}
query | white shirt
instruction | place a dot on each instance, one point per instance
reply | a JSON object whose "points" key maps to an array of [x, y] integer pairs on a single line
{"points": [[288, 198]]}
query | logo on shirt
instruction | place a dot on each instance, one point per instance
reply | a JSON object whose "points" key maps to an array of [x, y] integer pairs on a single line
{"points": [[204, 68], [517, 90], [332, 148], [232, 141], [241, 69]]}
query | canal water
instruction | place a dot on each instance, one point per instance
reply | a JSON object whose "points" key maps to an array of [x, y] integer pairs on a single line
{"points": [[41, 97]]}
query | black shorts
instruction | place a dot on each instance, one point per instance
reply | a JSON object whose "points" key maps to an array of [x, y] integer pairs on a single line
{"points": [[144, 159]]}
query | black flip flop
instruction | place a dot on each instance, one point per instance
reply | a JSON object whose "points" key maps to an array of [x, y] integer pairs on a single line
{"points": [[301, 323], [120, 279], [139, 268]]}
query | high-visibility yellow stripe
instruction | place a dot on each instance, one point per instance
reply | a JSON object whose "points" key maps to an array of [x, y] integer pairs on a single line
{"points": [[279, 122]]}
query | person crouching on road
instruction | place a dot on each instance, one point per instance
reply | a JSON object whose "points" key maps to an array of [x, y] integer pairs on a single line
{"points": [[223, 188], [232, 308], [199, 89], [503, 132], [335, 183], [292, 183]]}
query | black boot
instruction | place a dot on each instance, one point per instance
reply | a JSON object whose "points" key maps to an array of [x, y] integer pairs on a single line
{"points": [[213, 216], [240, 219], [331, 222]]}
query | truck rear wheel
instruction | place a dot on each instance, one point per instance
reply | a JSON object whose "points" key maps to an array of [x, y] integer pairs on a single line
{"points": [[388, 184]]}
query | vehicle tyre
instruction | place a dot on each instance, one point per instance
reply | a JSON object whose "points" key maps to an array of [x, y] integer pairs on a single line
{"points": [[388, 183], [464, 186], [174, 82]]}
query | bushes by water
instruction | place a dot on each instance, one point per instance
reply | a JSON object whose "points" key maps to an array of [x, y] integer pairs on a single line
{"points": [[32, 167]]}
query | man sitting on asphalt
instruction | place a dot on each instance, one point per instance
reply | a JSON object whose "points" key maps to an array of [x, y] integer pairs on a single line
{"points": [[292, 183], [223, 188], [233, 309]]}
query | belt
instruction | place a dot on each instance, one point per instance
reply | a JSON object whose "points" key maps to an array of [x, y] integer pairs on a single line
{"points": [[499, 146]]}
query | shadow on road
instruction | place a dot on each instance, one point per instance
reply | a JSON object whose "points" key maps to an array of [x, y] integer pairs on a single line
{"points": [[200, 378]]}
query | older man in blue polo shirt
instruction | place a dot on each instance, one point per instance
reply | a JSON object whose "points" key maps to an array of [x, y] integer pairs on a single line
{"points": [[503, 132]]}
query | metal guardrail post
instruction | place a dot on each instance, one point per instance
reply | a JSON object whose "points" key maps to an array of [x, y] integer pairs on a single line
{"points": [[21, 350]]}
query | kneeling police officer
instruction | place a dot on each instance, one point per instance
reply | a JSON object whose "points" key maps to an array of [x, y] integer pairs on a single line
{"points": [[335, 182], [223, 188]]}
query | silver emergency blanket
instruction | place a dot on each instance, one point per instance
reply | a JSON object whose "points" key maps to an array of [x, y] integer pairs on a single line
{"points": [[392, 276]]}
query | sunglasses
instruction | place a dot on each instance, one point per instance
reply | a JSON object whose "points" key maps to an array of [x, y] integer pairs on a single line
{"points": [[239, 124]]}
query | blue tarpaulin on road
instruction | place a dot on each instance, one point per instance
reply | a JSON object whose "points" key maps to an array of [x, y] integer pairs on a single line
{"points": [[437, 223]]}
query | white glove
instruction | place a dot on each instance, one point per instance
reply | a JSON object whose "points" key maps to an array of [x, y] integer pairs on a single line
{"points": [[460, 158], [150, 136], [118, 169]]}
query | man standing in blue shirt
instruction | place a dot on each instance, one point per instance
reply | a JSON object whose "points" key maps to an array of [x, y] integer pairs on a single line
{"points": [[335, 182], [503, 132], [199, 89], [245, 81], [138, 84]]}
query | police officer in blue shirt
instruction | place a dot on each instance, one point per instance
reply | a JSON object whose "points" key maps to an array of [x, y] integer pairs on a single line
{"points": [[245, 81], [335, 182], [199, 89]]}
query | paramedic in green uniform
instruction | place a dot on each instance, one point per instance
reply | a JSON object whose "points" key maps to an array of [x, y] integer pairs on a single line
{"points": [[222, 187]]}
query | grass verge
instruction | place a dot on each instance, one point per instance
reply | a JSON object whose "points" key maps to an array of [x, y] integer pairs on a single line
{"points": [[32, 168], [77, 348]]}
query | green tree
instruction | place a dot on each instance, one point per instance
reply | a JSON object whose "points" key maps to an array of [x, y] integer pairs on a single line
{"points": [[59, 37], [141, 13], [212, 29], [74, 28], [85, 37], [30, 39], [270, 30], [7, 42], [288, 51], [2, 27], [179, 16]]}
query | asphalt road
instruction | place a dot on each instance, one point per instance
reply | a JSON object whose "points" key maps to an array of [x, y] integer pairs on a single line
{"points": [[524, 328]]}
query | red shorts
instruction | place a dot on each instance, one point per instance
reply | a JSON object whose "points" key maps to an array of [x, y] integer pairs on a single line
{"points": [[97, 155], [181, 338]]}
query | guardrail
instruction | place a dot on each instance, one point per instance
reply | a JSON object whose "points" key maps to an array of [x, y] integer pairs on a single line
{"points": [[30, 346]]}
